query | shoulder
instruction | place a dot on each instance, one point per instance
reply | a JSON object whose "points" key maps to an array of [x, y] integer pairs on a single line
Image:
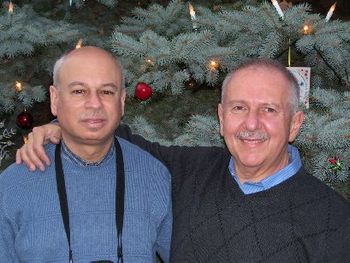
{"points": [[17, 175], [312, 187], [316, 183]]}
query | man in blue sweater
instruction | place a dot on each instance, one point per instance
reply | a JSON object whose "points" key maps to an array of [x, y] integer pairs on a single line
{"points": [[252, 202], [104, 199]]}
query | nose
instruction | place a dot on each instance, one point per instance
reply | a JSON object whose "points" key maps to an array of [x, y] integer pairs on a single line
{"points": [[93, 100], [252, 120]]}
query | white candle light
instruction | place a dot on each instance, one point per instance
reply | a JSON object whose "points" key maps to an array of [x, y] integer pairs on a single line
{"points": [[10, 12], [278, 8], [192, 12], [330, 12], [193, 16], [10, 7]]}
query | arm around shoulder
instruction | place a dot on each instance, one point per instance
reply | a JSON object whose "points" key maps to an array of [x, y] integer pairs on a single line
{"points": [[169, 156]]}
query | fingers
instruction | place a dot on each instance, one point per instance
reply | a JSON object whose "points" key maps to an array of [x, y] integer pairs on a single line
{"points": [[48, 133], [32, 154], [22, 157]]}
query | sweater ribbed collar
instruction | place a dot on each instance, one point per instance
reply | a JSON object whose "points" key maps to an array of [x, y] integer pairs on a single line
{"points": [[67, 153]]}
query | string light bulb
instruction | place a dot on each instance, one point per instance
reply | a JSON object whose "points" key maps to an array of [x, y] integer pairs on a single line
{"points": [[214, 65], [149, 61], [79, 43], [307, 29], [18, 86], [25, 138]]}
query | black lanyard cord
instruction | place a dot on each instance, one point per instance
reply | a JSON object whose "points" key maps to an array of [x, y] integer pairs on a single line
{"points": [[119, 198], [61, 189]]}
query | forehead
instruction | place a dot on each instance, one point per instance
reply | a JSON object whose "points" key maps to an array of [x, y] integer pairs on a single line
{"points": [[257, 82], [88, 66]]}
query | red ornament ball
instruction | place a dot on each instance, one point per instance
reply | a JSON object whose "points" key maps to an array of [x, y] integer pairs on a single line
{"points": [[24, 120], [143, 91]]}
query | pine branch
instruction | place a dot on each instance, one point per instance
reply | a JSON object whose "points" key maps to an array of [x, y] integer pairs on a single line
{"points": [[328, 65]]}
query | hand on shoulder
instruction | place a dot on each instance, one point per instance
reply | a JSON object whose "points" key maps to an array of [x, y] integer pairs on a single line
{"points": [[32, 154]]}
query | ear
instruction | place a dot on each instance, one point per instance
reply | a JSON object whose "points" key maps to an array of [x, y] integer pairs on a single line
{"points": [[297, 121], [122, 100], [221, 118], [53, 99]]}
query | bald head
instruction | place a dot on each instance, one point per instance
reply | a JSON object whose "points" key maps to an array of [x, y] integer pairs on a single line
{"points": [[90, 54]]}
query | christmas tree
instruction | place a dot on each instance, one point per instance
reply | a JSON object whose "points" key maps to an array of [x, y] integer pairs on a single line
{"points": [[175, 57], [167, 48], [31, 40], [5, 140]]}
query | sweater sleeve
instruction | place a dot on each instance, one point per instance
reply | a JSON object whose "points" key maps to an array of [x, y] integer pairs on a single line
{"points": [[169, 156], [7, 235], [162, 211], [180, 160], [164, 236]]}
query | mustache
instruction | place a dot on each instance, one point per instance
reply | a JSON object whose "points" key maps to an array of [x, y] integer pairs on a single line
{"points": [[94, 114], [252, 135]]}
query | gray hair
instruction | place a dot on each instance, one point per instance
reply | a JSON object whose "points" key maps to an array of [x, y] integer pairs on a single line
{"points": [[269, 64], [59, 62]]}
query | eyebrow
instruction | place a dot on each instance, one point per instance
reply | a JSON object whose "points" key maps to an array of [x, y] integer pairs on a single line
{"points": [[233, 102], [111, 85], [79, 83]]}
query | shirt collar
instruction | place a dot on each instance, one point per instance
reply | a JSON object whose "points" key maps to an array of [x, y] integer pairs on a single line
{"points": [[280, 176]]}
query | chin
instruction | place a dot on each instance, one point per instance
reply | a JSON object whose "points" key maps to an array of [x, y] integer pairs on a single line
{"points": [[251, 161], [93, 137]]}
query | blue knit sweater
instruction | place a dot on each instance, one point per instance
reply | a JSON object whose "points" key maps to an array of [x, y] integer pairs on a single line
{"points": [[31, 225]]}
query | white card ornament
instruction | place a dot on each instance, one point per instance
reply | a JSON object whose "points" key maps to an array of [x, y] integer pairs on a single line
{"points": [[302, 74]]}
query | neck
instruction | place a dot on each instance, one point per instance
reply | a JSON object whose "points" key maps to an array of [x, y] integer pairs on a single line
{"points": [[93, 152], [259, 173]]}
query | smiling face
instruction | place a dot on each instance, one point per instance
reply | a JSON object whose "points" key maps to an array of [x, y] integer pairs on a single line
{"points": [[257, 122], [89, 98]]}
